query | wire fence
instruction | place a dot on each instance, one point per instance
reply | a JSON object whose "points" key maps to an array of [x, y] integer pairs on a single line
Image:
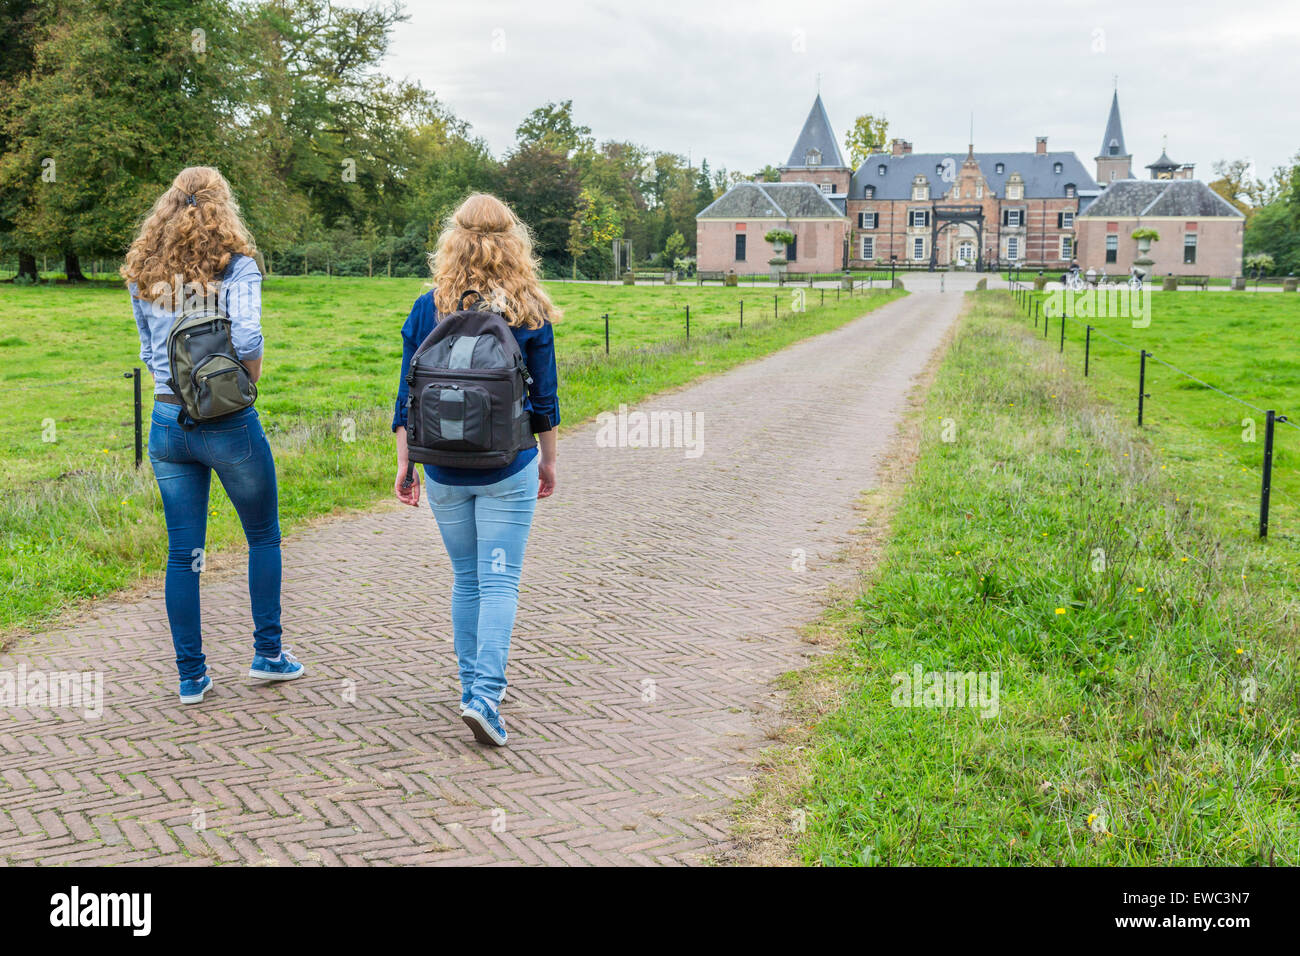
{"points": [[1031, 302]]}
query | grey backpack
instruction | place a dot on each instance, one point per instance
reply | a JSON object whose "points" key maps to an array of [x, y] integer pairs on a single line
{"points": [[467, 385], [206, 374]]}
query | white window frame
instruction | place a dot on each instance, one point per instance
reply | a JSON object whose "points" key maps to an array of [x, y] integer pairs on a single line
{"points": [[868, 247], [1019, 215], [911, 218], [1067, 248], [1067, 220], [1013, 248], [918, 248], [966, 250], [826, 188]]}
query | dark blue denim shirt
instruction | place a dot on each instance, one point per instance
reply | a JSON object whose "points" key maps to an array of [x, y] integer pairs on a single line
{"points": [[541, 403]]}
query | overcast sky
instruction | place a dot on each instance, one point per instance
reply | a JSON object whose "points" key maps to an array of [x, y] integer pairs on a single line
{"points": [[732, 82]]}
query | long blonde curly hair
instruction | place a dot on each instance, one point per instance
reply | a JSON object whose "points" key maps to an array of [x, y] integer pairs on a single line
{"points": [[192, 231], [484, 246]]}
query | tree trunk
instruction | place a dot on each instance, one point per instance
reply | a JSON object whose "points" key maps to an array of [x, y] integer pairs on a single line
{"points": [[72, 266], [27, 266]]}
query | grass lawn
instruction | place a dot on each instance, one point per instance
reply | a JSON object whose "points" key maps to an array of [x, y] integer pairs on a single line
{"points": [[1211, 446], [78, 520], [1146, 711]]}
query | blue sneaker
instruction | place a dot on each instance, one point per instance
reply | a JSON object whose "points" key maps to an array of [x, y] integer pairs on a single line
{"points": [[485, 722], [285, 667], [192, 691], [465, 698]]}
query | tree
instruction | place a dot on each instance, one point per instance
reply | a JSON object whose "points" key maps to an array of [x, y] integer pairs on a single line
{"points": [[674, 249], [594, 225], [552, 126], [868, 134], [25, 22], [89, 153], [768, 174], [543, 187]]}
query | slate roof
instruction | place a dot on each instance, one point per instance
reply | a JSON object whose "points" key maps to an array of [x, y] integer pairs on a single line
{"points": [[1189, 198], [777, 200], [1037, 169], [1164, 162], [1114, 131], [816, 134]]}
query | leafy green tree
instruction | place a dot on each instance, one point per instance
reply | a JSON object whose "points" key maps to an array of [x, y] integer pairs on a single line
{"points": [[868, 133], [544, 189]]}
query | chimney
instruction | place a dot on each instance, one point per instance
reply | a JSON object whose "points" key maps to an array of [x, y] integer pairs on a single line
{"points": [[1040, 145], [900, 147]]}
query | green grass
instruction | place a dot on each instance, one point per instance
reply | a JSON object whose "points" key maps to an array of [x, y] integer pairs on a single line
{"points": [[78, 520], [1239, 343], [1046, 543]]}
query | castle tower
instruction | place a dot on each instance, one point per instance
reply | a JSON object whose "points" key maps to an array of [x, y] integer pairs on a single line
{"points": [[816, 157], [1113, 160]]}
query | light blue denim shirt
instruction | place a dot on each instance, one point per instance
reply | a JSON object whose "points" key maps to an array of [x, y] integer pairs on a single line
{"points": [[240, 291]]}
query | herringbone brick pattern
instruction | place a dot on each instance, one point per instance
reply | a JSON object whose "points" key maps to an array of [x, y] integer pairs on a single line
{"points": [[659, 601]]}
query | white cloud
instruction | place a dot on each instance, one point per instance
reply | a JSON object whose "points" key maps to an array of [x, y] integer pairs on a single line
{"points": [[733, 82]]}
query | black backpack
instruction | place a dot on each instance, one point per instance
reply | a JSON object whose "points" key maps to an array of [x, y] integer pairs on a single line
{"points": [[206, 374], [467, 384]]}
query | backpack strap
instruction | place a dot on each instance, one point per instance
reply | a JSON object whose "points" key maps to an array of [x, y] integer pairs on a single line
{"points": [[460, 304]]}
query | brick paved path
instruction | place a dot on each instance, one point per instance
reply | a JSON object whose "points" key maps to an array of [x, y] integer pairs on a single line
{"points": [[658, 603]]}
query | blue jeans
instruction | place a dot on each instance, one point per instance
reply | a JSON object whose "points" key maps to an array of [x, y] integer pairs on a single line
{"points": [[183, 462], [485, 529]]}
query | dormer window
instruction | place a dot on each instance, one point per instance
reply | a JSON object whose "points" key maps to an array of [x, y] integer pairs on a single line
{"points": [[1058, 168], [826, 188], [1069, 191], [881, 169], [1113, 148], [1000, 168], [938, 169], [813, 158], [1015, 186], [869, 192], [920, 188]]}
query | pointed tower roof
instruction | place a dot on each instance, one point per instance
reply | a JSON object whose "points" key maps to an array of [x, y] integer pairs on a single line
{"points": [[1112, 143], [817, 136]]}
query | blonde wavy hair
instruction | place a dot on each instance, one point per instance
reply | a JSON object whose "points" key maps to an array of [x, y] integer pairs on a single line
{"points": [[484, 246], [192, 231]]}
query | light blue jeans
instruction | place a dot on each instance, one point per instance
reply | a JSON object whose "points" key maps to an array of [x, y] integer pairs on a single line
{"points": [[485, 529]]}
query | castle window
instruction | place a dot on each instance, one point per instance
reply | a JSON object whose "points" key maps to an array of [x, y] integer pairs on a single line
{"points": [[1000, 168], [1069, 190], [1112, 248], [1013, 248], [1189, 248], [826, 188], [881, 168], [1058, 168], [868, 247], [918, 248], [1067, 247], [813, 158], [1113, 149], [868, 220], [918, 217], [740, 248], [1013, 217], [869, 192]]}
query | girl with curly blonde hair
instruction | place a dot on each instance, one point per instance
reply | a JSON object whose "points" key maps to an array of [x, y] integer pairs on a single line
{"points": [[484, 515], [193, 243]]}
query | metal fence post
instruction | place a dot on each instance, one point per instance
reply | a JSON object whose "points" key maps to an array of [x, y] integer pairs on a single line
{"points": [[1062, 349], [134, 375], [688, 323], [742, 314], [606, 333], [1142, 385], [1087, 350], [1265, 487]]}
